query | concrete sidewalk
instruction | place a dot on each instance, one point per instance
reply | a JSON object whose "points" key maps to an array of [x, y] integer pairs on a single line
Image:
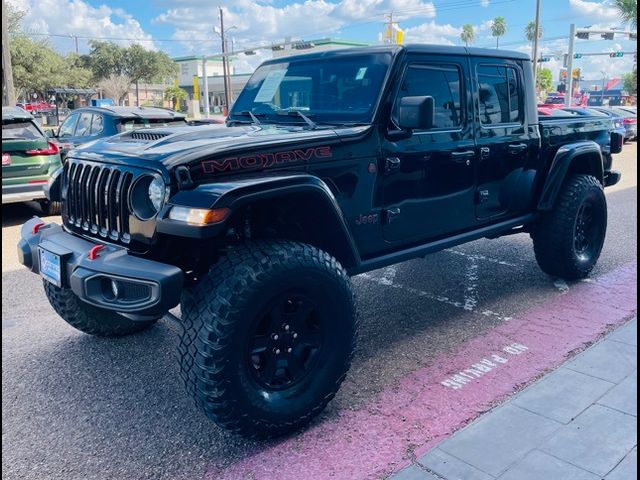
{"points": [[577, 423]]}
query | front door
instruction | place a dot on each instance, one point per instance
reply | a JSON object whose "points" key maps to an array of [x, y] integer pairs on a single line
{"points": [[428, 177], [503, 140]]}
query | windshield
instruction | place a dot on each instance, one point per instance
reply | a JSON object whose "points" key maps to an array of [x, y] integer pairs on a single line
{"points": [[336, 89], [20, 129]]}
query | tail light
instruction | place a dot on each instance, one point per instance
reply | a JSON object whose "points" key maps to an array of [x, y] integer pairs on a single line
{"points": [[630, 121], [52, 149]]}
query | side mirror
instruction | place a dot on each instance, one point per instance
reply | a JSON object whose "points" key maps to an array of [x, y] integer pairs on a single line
{"points": [[416, 113]]}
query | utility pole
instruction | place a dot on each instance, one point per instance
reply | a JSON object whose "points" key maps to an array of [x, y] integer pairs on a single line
{"points": [[75, 37], [535, 43], [604, 80], [229, 73], [206, 86], [224, 63], [572, 40], [8, 92]]}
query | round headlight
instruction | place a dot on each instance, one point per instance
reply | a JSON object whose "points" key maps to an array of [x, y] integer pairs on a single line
{"points": [[156, 193], [147, 196]]}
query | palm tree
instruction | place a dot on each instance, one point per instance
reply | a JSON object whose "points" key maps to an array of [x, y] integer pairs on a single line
{"points": [[530, 33], [628, 10], [468, 35], [498, 28]]}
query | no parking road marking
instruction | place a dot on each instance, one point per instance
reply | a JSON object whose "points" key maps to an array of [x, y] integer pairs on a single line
{"points": [[484, 366]]}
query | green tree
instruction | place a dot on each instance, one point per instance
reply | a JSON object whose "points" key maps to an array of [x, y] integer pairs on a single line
{"points": [[498, 28], [175, 95], [628, 10], [106, 59], [530, 34], [14, 20], [544, 80], [630, 81], [112, 63], [468, 34], [36, 67]]}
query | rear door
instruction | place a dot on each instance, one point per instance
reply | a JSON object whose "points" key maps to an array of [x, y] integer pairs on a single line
{"points": [[428, 179], [20, 136], [503, 139]]}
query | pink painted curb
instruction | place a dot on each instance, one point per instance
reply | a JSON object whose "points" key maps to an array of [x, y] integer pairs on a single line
{"points": [[428, 405]]}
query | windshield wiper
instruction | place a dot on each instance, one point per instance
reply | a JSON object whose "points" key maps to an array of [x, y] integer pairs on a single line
{"points": [[254, 116], [298, 113]]}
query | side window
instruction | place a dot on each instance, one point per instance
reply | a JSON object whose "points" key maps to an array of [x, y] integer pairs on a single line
{"points": [[68, 126], [443, 83], [97, 124], [499, 95], [84, 125]]}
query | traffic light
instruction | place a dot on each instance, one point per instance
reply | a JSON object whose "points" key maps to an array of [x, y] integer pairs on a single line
{"points": [[577, 55], [583, 35], [616, 54], [607, 36], [544, 59]]}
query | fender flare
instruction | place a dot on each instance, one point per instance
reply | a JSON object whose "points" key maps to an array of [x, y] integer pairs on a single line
{"points": [[586, 156], [235, 194]]}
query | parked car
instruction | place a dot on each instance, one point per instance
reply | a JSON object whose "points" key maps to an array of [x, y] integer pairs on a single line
{"points": [[90, 123], [29, 160], [616, 119], [331, 164], [629, 121]]}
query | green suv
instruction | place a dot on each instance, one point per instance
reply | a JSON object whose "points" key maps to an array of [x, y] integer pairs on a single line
{"points": [[29, 159]]}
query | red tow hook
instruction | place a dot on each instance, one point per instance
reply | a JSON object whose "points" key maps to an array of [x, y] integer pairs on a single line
{"points": [[36, 228], [95, 250]]}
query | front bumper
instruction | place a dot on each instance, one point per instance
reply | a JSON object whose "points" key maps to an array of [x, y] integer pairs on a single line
{"points": [[23, 193], [144, 288]]}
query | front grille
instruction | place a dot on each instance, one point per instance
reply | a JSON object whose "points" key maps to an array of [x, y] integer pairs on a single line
{"points": [[96, 199], [149, 136]]}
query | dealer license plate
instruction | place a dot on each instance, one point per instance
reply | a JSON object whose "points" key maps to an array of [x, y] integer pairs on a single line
{"points": [[50, 267]]}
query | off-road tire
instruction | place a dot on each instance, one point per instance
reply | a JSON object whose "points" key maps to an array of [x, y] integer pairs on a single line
{"points": [[89, 319], [50, 208], [555, 233], [218, 314]]}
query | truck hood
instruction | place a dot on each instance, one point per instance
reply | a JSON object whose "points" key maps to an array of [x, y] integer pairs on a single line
{"points": [[175, 146]]}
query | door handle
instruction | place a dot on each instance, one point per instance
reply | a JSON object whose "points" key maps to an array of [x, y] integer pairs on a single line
{"points": [[391, 164], [517, 148], [464, 156]]}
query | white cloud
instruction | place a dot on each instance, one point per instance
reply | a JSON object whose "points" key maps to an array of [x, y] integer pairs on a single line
{"points": [[77, 17], [257, 24], [600, 10], [431, 32], [485, 3]]}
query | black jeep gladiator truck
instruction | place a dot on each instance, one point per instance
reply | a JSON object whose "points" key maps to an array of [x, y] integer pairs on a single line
{"points": [[330, 164]]}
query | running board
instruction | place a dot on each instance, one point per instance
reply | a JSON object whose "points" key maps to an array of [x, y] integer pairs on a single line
{"points": [[490, 231]]}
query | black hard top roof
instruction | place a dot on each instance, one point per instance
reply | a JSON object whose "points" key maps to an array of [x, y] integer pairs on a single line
{"points": [[134, 112], [410, 48]]}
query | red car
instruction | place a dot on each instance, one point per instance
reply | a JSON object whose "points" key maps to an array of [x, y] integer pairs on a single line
{"points": [[35, 107]]}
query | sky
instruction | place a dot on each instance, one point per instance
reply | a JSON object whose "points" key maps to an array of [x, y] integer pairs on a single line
{"points": [[185, 27]]}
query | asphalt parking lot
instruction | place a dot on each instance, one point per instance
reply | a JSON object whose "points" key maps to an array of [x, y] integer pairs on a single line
{"points": [[79, 407]]}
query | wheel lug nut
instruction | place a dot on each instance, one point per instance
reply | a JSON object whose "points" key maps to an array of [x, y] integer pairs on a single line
{"points": [[276, 351], [275, 336], [295, 335], [285, 327], [289, 350]]}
